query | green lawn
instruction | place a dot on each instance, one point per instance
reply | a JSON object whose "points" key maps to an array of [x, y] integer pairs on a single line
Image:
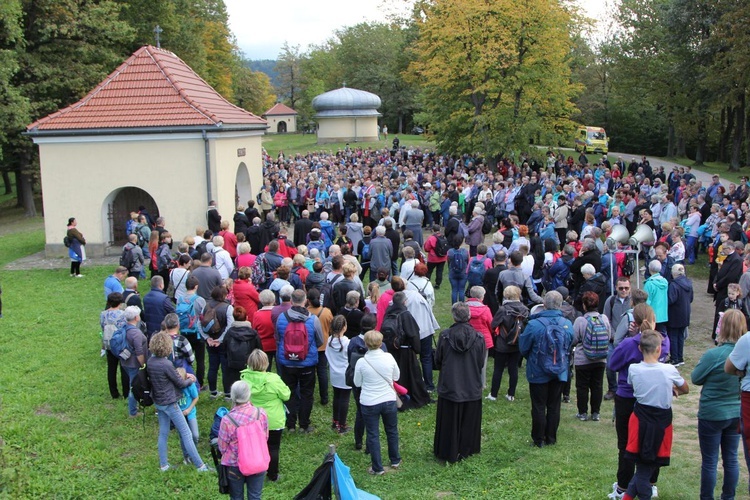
{"points": [[63, 436], [292, 144]]}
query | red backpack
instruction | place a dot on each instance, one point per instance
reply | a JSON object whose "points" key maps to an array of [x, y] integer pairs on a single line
{"points": [[296, 340]]}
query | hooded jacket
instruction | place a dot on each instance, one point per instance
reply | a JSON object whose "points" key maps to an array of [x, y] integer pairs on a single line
{"points": [[680, 294], [507, 314], [241, 335], [658, 298], [269, 392], [460, 357], [481, 318]]}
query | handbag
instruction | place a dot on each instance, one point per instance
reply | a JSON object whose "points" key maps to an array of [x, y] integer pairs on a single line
{"points": [[399, 403], [252, 446], [221, 470]]}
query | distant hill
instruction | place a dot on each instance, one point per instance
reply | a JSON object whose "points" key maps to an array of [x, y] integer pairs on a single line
{"points": [[266, 66]]}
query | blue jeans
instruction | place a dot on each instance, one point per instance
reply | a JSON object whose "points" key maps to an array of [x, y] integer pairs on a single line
{"points": [[217, 357], [371, 416], [676, 344], [238, 482], [425, 357], [172, 413], [458, 285], [691, 245], [132, 403], [713, 435]]}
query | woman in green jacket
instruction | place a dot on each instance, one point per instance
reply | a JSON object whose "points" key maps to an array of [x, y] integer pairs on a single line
{"points": [[719, 409], [268, 392]]}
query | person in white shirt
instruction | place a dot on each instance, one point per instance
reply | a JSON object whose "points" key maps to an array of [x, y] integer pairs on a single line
{"points": [[375, 374], [338, 361], [224, 263]]}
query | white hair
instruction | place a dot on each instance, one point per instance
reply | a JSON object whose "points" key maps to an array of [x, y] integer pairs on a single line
{"points": [[131, 312], [323, 215], [588, 269], [240, 392], [678, 270], [380, 230], [654, 267]]}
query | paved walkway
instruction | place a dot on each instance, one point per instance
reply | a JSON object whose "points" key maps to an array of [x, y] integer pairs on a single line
{"points": [[656, 162]]}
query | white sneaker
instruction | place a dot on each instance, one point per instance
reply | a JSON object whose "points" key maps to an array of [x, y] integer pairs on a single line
{"points": [[654, 491], [509, 397], [615, 495], [490, 398]]}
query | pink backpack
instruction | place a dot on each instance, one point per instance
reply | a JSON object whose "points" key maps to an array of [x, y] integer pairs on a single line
{"points": [[252, 446]]}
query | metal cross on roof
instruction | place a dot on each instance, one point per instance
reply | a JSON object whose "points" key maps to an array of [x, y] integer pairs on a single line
{"points": [[157, 32]]}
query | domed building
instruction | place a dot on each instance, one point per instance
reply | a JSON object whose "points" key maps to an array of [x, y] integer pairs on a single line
{"points": [[347, 115]]}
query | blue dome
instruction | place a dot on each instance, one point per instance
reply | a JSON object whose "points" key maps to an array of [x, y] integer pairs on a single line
{"points": [[346, 102]]}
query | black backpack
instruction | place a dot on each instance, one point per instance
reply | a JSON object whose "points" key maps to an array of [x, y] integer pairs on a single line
{"points": [[628, 268], [486, 225], [141, 388], [391, 330], [441, 246], [238, 349]]}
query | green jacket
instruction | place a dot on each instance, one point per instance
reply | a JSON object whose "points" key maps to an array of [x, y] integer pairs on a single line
{"points": [[268, 392], [720, 398]]}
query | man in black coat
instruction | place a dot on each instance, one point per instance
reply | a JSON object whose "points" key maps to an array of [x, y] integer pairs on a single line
{"points": [[241, 222], [213, 217], [729, 272], [269, 230], [452, 227], [491, 280], [302, 228], [589, 255], [253, 237], [395, 237], [251, 212]]}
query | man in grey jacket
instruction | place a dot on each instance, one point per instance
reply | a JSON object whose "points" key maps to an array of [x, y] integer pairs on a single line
{"points": [[381, 251], [615, 309], [514, 276]]}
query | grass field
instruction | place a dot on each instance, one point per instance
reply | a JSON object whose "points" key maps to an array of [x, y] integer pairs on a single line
{"points": [[61, 436]]}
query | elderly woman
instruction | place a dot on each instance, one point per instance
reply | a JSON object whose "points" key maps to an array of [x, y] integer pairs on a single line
{"points": [[245, 293], [459, 356], [419, 282], [242, 413], [76, 247], [244, 257], [475, 230], [111, 319], [719, 409], [375, 374], [166, 391], [268, 392], [481, 321]]}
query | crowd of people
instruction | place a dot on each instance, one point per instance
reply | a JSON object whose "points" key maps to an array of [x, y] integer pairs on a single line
{"points": [[333, 270]]}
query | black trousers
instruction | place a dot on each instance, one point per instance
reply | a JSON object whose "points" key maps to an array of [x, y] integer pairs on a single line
{"points": [[274, 445], [438, 266], [359, 421], [322, 371], [300, 403], [589, 379], [502, 360], [340, 406], [545, 411], [199, 348], [625, 466], [112, 363]]}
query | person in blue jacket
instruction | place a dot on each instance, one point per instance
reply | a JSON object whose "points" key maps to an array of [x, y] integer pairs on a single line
{"points": [[545, 387], [299, 372]]}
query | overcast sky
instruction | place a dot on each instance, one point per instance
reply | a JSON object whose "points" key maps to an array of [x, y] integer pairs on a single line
{"points": [[262, 27]]}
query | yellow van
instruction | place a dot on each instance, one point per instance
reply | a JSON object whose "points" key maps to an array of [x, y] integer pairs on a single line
{"points": [[592, 140]]}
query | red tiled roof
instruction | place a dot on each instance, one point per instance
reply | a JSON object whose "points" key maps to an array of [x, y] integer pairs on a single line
{"points": [[280, 109], [152, 88]]}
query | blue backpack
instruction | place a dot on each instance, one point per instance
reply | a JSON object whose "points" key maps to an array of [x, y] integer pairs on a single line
{"points": [[457, 262], [476, 272], [319, 245], [365, 252], [118, 344], [185, 310], [553, 348]]}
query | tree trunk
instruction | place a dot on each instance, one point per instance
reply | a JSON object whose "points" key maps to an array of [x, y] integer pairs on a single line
{"points": [[736, 162], [681, 151], [726, 134], [700, 149], [28, 195], [6, 181], [400, 123], [670, 139], [19, 192]]}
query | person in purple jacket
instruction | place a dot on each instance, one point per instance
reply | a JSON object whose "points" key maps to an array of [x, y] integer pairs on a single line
{"points": [[625, 354]]}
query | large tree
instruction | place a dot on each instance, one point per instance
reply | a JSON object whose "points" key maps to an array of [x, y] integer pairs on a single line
{"points": [[494, 74]]}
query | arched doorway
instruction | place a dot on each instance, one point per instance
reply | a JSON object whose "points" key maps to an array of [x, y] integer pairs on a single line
{"points": [[281, 127], [242, 187], [119, 204]]}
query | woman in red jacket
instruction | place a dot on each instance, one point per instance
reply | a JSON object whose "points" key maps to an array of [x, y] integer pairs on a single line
{"points": [[245, 293], [433, 247]]}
